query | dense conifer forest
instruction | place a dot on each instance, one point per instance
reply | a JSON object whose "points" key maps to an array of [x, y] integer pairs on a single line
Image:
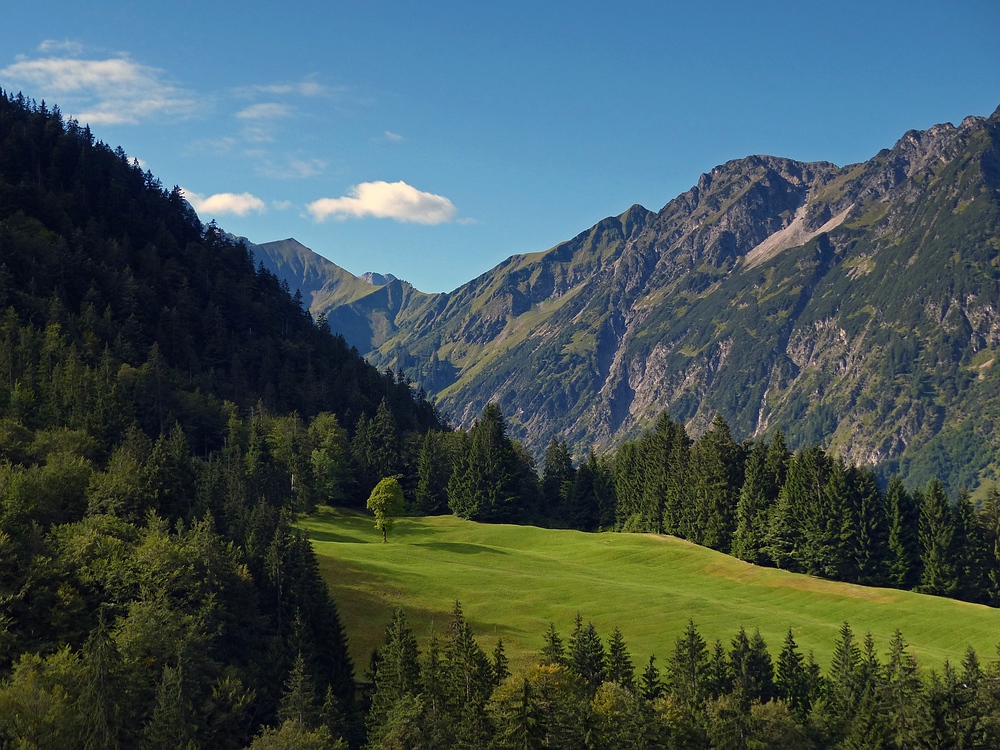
{"points": [[167, 408], [586, 692]]}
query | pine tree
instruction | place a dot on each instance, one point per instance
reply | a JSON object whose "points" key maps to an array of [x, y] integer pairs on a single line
{"points": [[553, 651], [718, 476], [791, 680], [557, 477], [587, 656], [687, 667], [651, 687], [903, 544], [900, 690], [620, 668], [398, 670], [937, 537], [753, 508]]}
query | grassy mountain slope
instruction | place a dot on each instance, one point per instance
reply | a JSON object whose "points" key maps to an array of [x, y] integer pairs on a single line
{"points": [[513, 580]]}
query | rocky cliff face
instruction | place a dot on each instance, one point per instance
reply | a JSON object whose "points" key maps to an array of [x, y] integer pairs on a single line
{"points": [[854, 306]]}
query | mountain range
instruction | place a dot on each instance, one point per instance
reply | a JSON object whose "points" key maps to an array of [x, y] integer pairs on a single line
{"points": [[851, 306]]}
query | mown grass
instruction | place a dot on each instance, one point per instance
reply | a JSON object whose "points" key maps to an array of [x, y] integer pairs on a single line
{"points": [[513, 580]]}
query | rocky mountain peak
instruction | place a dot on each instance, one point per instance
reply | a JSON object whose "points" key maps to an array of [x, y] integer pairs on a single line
{"points": [[377, 279]]}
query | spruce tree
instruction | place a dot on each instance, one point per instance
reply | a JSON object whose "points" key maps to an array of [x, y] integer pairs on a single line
{"points": [[620, 668], [718, 476], [650, 685], [903, 544], [553, 651], [557, 478], [398, 670], [791, 680], [587, 656], [753, 508], [937, 539], [433, 472], [871, 536], [687, 667], [900, 690]]}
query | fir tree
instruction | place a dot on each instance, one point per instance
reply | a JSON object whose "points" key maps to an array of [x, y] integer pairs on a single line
{"points": [[620, 668], [650, 685], [903, 545], [791, 680], [553, 651], [687, 667], [937, 537]]}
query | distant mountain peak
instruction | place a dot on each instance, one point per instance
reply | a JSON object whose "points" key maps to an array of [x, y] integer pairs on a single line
{"points": [[378, 279]]}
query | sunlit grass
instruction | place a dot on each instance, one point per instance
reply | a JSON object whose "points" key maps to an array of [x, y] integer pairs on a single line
{"points": [[513, 580]]}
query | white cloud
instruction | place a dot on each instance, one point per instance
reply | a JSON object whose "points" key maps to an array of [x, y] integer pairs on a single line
{"points": [[282, 205], [50, 46], [239, 204], [385, 200], [394, 137], [115, 91], [265, 111]]}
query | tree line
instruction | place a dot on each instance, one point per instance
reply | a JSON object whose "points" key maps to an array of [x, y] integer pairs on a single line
{"points": [[806, 511], [587, 692]]}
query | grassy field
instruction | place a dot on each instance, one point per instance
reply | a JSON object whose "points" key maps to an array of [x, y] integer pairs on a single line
{"points": [[513, 580]]}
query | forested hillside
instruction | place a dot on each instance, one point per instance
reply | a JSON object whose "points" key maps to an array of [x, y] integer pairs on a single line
{"points": [[165, 409]]}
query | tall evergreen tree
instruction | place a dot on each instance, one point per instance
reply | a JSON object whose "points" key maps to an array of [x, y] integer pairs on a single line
{"points": [[717, 469], [486, 483], [557, 477], [753, 509], [937, 543], [686, 668], [433, 472], [791, 681], [620, 668], [903, 544], [398, 671]]}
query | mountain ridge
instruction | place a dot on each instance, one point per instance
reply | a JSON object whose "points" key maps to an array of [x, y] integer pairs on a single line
{"points": [[752, 294]]}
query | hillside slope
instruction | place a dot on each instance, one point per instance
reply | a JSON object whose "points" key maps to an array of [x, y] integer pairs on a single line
{"points": [[513, 581]]}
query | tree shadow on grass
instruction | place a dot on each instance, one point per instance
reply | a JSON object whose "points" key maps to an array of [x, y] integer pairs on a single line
{"points": [[461, 548], [366, 599], [327, 536]]}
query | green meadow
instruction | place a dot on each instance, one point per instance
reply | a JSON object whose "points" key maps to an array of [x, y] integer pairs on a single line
{"points": [[513, 580]]}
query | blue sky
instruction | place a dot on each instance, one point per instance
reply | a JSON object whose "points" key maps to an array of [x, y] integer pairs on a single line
{"points": [[433, 140]]}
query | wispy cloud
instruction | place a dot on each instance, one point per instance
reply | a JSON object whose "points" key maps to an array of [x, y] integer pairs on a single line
{"points": [[302, 88], [114, 91], [52, 46], [265, 111], [385, 200], [237, 204], [394, 137], [291, 168]]}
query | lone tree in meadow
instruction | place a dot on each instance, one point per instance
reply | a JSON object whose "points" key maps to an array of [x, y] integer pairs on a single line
{"points": [[386, 502]]}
